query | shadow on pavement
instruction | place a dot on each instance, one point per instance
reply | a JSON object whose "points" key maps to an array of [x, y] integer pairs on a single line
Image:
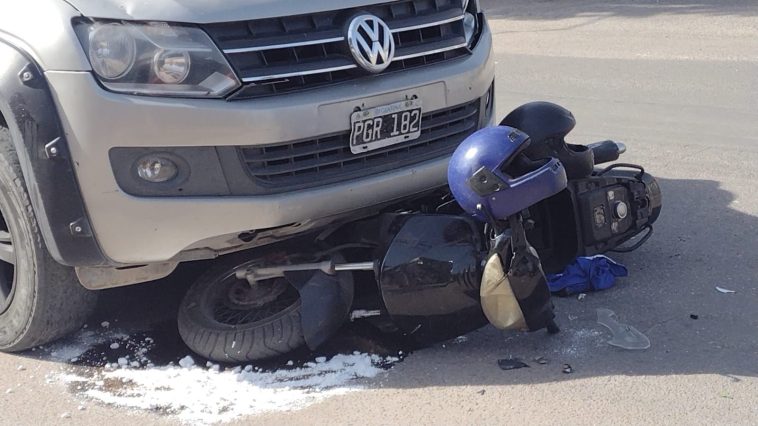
{"points": [[552, 9], [700, 242]]}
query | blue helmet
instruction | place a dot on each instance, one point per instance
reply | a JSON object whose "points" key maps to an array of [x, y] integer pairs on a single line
{"points": [[489, 169]]}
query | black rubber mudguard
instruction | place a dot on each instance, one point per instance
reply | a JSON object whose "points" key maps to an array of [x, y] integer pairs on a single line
{"points": [[326, 301]]}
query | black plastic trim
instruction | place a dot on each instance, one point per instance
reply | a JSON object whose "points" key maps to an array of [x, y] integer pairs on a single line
{"points": [[27, 105]]}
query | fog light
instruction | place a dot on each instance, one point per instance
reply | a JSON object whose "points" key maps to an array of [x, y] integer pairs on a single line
{"points": [[469, 27], [156, 169]]}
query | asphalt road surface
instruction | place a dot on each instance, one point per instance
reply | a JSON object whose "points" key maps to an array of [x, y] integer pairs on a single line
{"points": [[678, 82]]}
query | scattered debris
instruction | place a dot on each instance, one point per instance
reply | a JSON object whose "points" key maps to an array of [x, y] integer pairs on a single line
{"points": [[115, 345], [567, 369], [581, 296], [540, 360], [624, 336], [725, 290], [481, 392], [693, 316], [66, 416], [572, 317], [362, 313], [105, 324], [9, 391], [20, 368], [511, 364], [460, 339], [290, 363]]}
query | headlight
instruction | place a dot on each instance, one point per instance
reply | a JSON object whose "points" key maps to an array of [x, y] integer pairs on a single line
{"points": [[111, 51], [471, 18], [469, 27], [156, 59]]}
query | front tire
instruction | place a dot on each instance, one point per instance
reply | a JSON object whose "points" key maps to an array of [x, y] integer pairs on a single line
{"points": [[40, 299], [225, 319]]}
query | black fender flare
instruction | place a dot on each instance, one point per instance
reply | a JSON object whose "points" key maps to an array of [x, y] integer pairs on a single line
{"points": [[27, 105]]}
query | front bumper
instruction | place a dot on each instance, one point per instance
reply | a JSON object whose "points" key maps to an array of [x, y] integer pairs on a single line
{"points": [[139, 230]]}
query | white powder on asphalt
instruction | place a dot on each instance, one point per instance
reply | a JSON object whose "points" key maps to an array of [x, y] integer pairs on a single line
{"points": [[186, 362], [75, 345], [198, 395]]}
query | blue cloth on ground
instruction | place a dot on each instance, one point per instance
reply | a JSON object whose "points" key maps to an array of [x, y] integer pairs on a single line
{"points": [[587, 274]]}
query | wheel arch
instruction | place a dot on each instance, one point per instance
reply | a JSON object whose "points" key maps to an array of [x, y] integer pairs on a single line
{"points": [[29, 113]]}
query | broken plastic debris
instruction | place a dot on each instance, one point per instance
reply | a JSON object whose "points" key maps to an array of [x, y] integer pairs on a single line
{"points": [[724, 290], [624, 336], [581, 296], [567, 369], [511, 364], [363, 313]]}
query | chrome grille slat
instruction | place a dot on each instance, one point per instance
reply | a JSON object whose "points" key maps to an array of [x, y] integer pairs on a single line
{"points": [[288, 54], [414, 24], [429, 49], [305, 70], [313, 162], [258, 48]]}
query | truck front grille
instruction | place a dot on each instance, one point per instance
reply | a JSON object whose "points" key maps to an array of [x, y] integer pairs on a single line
{"points": [[286, 54], [328, 159]]}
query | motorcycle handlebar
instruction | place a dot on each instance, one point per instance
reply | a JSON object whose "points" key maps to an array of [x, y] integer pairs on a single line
{"points": [[606, 151]]}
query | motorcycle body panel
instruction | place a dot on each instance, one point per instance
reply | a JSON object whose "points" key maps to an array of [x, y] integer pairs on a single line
{"points": [[430, 275]]}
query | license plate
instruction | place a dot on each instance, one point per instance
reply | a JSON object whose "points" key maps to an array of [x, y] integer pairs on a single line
{"points": [[385, 125]]}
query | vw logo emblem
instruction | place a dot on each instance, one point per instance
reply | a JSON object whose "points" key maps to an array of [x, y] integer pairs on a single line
{"points": [[371, 43]]}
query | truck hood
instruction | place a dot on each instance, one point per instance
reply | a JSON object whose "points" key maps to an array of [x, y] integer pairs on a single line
{"points": [[206, 11]]}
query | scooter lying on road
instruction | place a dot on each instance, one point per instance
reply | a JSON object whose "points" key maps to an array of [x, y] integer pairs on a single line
{"points": [[523, 202]]}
